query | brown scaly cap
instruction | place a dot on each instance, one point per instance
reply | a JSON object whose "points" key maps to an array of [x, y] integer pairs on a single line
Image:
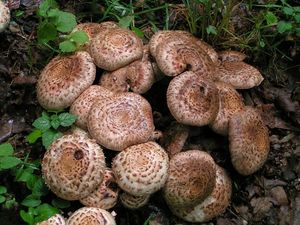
{"points": [[231, 56], [239, 74], [54, 220], [230, 102], [64, 79], [215, 204], [191, 178], [105, 196], [192, 100], [121, 120], [4, 16], [73, 166], [249, 143], [133, 202], [115, 48], [91, 216], [82, 105]]}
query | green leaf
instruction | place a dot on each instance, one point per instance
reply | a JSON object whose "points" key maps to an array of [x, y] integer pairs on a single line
{"points": [[33, 136], [49, 136], [28, 217], [271, 18], [6, 149], [39, 187], [3, 189], [24, 175], [45, 6], [67, 46], [138, 32], [297, 18], [64, 21], [30, 182], [211, 30], [44, 212], [2, 199], [31, 201], [296, 8], [67, 119], [80, 37], [45, 115], [298, 32], [283, 26], [8, 162], [42, 123], [9, 203], [125, 22], [55, 121], [288, 11], [60, 203], [262, 43], [46, 32]]}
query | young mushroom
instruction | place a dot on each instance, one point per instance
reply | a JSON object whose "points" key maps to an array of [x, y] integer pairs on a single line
{"points": [[133, 202], [231, 56], [121, 120], [73, 166], [64, 79], [4, 16], [91, 216], [54, 220], [249, 143]]}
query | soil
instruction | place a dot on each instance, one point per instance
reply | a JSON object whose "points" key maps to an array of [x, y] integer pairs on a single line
{"points": [[271, 196]]}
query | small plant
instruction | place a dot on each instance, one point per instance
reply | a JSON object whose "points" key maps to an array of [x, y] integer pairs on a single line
{"points": [[46, 127]]}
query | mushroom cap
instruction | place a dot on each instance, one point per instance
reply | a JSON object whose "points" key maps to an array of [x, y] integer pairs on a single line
{"points": [[133, 202], [64, 79], [73, 166], [115, 48], [192, 100], [4, 16], [191, 178], [115, 81], [230, 102], [54, 220], [121, 120], [141, 169], [105, 196], [82, 105], [91, 216], [249, 143], [239, 74], [213, 205], [231, 56]]}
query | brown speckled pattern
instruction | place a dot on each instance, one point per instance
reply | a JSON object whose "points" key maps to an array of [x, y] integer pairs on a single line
{"points": [[106, 194], [115, 81], [121, 120], [249, 143], [133, 202], [191, 178], [91, 216], [73, 166], [231, 56], [230, 102], [115, 48], [82, 105], [4, 16], [239, 74], [141, 169], [54, 220], [192, 100], [64, 79]]}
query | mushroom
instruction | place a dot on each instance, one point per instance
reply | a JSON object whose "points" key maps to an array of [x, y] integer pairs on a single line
{"points": [[73, 166], [192, 100], [57, 219], [64, 79], [121, 120], [4, 16], [82, 105], [213, 205], [115, 48], [191, 178], [91, 216], [249, 143], [230, 102], [105, 196], [231, 56], [239, 74], [141, 169], [133, 202]]}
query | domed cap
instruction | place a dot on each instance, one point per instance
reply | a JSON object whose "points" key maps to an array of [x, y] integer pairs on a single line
{"points": [[141, 169], [133, 202], [215, 204], [115, 48], [105, 196], [231, 56], [191, 178], [4, 16], [230, 102], [249, 143], [91, 216], [54, 220], [121, 120], [192, 100], [73, 166], [239, 74], [64, 79], [82, 105]]}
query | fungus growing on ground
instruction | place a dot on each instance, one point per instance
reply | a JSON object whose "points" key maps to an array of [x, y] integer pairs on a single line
{"points": [[73, 166], [54, 220], [133, 202], [231, 56], [115, 48], [249, 143], [141, 169], [64, 79], [192, 100], [121, 120], [91, 216], [4, 16]]}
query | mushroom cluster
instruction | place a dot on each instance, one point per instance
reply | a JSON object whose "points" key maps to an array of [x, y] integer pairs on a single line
{"points": [[113, 115]]}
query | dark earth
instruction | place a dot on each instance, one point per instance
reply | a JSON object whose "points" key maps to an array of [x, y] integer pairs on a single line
{"points": [[271, 196]]}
